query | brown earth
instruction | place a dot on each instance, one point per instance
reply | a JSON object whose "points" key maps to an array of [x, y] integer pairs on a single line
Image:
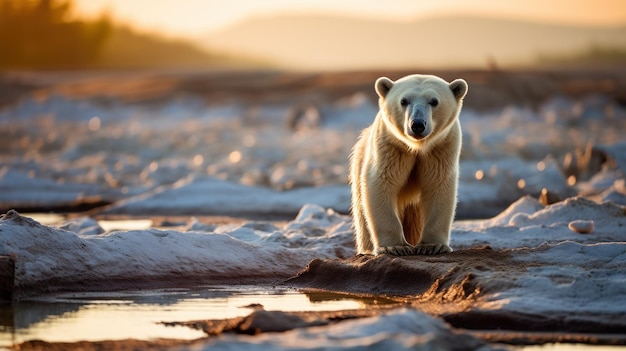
{"points": [[107, 345], [444, 278], [489, 88], [450, 286]]}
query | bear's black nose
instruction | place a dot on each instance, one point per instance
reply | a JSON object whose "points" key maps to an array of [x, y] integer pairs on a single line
{"points": [[418, 126]]}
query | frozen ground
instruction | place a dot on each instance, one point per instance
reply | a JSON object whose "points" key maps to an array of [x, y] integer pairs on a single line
{"points": [[537, 274], [540, 175], [57, 153]]}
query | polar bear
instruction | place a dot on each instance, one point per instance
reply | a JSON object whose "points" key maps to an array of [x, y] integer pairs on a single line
{"points": [[404, 167]]}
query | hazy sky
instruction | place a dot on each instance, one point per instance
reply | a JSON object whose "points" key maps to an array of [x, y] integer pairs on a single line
{"points": [[195, 17]]}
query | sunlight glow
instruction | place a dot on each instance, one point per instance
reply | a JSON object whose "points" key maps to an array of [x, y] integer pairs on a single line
{"points": [[571, 180], [94, 123], [541, 166], [479, 174], [190, 18], [235, 157], [131, 224], [198, 160]]}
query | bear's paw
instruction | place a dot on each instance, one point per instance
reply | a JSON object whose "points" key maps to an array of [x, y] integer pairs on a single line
{"points": [[431, 249], [402, 250]]}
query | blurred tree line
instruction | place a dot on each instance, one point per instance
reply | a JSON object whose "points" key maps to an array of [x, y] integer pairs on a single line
{"points": [[42, 34]]}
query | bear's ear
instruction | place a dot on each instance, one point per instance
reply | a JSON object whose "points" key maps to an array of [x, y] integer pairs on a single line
{"points": [[383, 85], [459, 88]]}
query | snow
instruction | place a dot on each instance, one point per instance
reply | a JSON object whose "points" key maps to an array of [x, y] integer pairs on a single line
{"points": [[188, 158], [528, 223], [60, 257], [63, 152], [20, 189], [399, 330], [210, 196], [572, 272], [574, 279]]}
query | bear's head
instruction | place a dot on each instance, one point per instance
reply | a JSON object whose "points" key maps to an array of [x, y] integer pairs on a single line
{"points": [[420, 108]]}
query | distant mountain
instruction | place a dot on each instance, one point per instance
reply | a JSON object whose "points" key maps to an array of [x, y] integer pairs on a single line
{"points": [[333, 42], [126, 48]]}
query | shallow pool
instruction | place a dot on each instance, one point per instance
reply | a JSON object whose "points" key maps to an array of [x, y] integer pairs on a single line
{"points": [[92, 316]]}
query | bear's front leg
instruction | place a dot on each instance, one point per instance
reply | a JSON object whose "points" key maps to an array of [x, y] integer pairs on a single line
{"points": [[438, 213], [384, 223], [387, 235]]}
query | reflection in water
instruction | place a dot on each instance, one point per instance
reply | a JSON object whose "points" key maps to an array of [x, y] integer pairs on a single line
{"points": [[136, 314], [364, 301], [570, 347], [131, 224]]}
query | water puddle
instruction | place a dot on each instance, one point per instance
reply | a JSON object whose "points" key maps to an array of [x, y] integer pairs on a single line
{"points": [[131, 224], [107, 225], [46, 218], [72, 317], [570, 347]]}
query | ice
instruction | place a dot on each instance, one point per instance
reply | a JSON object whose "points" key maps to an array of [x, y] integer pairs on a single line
{"points": [[616, 151], [528, 223], [20, 189], [60, 152], [210, 196], [516, 260], [560, 274], [573, 279], [83, 226], [399, 330], [525, 205], [78, 251]]}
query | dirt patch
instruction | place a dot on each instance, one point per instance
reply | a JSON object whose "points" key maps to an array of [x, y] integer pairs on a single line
{"points": [[443, 278], [262, 321], [539, 338], [7, 274], [534, 322], [489, 88], [108, 345], [451, 286]]}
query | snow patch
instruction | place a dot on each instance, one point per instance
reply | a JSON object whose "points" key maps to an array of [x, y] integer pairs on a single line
{"points": [[78, 252], [404, 329], [211, 196]]}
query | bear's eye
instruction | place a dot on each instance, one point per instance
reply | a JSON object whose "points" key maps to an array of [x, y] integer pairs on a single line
{"points": [[404, 102], [433, 102]]}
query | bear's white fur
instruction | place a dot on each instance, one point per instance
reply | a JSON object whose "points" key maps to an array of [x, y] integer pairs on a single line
{"points": [[404, 167]]}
